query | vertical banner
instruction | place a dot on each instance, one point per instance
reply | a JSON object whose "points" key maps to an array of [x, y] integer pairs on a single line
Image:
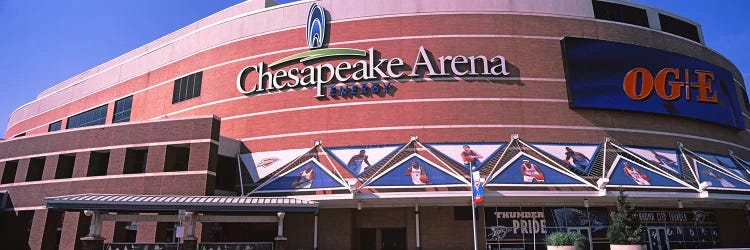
{"points": [[477, 189]]}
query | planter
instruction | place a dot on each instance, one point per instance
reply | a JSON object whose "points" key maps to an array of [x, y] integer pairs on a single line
{"points": [[561, 247], [626, 247]]}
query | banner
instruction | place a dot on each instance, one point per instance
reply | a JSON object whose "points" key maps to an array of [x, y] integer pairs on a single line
{"points": [[416, 171], [620, 76], [359, 160], [463, 154], [628, 173], [261, 164], [528, 171], [514, 224], [665, 159], [579, 156]]}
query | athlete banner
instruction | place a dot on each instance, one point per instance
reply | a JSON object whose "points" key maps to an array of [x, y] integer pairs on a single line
{"points": [[477, 190], [611, 75]]}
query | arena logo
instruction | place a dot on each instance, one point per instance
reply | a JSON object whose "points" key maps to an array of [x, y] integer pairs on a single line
{"points": [[668, 84], [364, 76]]}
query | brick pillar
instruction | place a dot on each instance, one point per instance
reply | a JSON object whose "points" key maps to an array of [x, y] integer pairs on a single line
{"points": [[50, 167], [81, 167], [43, 230], [203, 156], [22, 170], [71, 227], [156, 157], [116, 163], [146, 231], [108, 231]]}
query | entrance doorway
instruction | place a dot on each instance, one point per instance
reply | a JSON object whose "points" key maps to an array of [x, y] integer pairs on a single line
{"points": [[585, 231], [657, 238], [382, 238]]}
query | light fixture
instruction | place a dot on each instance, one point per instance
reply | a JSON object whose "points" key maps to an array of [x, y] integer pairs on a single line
{"points": [[414, 138], [318, 142], [586, 203], [679, 204], [359, 205]]}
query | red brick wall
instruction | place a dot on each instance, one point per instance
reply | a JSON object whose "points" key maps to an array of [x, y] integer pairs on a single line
{"points": [[535, 57]]}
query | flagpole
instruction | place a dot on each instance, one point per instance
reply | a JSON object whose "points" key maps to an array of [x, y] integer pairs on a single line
{"points": [[473, 208]]}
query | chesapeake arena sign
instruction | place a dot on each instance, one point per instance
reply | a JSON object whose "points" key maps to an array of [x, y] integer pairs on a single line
{"points": [[363, 76]]}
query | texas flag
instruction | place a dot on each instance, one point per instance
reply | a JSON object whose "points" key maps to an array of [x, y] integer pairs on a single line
{"points": [[476, 188]]}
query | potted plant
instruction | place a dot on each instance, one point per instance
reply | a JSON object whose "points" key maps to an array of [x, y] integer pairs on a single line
{"points": [[625, 231], [566, 241]]}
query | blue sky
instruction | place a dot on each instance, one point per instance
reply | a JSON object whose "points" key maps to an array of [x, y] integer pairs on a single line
{"points": [[43, 43]]}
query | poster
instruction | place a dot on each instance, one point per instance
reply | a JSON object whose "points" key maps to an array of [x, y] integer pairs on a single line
{"points": [[475, 153], [358, 160], [578, 156]]}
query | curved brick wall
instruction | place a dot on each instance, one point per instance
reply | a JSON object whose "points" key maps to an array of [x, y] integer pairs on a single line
{"points": [[438, 111]]}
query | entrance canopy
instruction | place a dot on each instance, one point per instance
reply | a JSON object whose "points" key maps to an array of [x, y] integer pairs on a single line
{"points": [[125, 202]]}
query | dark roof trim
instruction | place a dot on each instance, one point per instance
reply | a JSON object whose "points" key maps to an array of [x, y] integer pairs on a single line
{"points": [[121, 202]]}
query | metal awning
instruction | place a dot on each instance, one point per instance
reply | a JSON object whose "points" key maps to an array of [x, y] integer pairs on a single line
{"points": [[129, 202]]}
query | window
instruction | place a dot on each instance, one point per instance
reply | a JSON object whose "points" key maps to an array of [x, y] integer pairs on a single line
{"points": [[9, 172], [20, 135], [678, 27], [620, 13], [96, 116], [98, 163], [65, 165], [36, 168], [187, 87], [55, 126], [135, 161], [122, 110], [177, 158]]}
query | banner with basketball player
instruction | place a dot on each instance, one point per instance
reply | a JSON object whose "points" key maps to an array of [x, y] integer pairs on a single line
{"points": [[628, 173], [718, 178], [358, 160], [665, 159], [579, 156], [416, 171], [463, 154], [526, 170], [308, 176], [726, 163], [261, 164]]}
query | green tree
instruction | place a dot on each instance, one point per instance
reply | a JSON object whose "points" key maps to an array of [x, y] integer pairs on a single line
{"points": [[625, 229]]}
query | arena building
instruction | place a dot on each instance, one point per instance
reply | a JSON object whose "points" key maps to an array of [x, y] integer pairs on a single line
{"points": [[353, 124]]}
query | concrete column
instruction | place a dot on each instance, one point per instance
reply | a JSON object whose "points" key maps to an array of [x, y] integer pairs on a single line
{"points": [[315, 232], [22, 170], [70, 229], [416, 220], [116, 163], [81, 166], [280, 240], [156, 159], [50, 167]]}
